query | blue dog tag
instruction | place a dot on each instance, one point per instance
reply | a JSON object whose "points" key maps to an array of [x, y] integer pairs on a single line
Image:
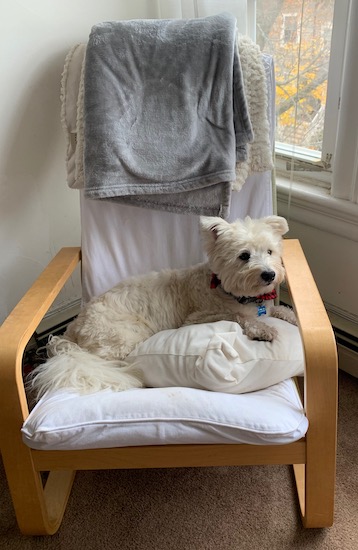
{"points": [[261, 310]]}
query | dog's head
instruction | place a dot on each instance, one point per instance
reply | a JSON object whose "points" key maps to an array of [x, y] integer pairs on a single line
{"points": [[245, 255]]}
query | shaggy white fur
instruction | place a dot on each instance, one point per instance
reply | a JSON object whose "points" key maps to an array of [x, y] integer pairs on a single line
{"points": [[245, 257]]}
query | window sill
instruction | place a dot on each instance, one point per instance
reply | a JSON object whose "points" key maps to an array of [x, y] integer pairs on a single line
{"points": [[314, 206]]}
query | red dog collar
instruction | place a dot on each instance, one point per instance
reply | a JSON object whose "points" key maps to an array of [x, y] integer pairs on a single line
{"points": [[215, 282]]}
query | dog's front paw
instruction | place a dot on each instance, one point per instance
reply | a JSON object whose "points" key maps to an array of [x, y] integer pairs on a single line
{"points": [[257, 330], [285, 313]]}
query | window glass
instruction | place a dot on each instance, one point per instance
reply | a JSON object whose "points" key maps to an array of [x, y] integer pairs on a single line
{"points": [[298, 34]]}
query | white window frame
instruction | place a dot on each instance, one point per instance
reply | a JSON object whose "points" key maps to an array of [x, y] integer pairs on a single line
{"points": [[338, 46], [345, 167]]}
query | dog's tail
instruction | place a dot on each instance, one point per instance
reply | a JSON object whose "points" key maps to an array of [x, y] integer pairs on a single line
{"points": [[74, 368]]}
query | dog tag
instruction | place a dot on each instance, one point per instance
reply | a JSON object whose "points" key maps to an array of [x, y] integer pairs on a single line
{"points": [[261, 310]]}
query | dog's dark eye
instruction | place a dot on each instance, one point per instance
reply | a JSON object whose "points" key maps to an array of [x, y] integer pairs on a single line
{"points": [[245, 256], [269, 252]]}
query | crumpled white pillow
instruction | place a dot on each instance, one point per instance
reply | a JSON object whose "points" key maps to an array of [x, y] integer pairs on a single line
{"points": [[218, 357]]}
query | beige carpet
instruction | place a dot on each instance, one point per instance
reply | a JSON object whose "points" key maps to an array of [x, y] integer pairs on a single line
{"points": [[201, 509]]}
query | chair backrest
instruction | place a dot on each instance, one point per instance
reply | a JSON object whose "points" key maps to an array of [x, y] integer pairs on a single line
{"points": [[119, 241]]}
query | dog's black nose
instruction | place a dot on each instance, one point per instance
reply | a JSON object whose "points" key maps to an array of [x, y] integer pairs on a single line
{"points": [[268, 276]]}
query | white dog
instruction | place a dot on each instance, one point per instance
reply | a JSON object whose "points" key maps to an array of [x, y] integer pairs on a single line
{"points": [[236, 284]]}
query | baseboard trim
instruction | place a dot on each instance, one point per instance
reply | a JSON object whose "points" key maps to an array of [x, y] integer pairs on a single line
{"points": [[348, 360]]}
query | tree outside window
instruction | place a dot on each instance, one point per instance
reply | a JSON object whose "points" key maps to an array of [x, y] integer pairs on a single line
{"points": [[298, 35]]}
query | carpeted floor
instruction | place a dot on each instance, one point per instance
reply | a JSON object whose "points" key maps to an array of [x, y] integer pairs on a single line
{"points": [[200, 509]]}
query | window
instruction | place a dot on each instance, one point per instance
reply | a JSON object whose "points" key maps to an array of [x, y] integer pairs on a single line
{"points": [[290, 28], [298, 34], [314, 44]]}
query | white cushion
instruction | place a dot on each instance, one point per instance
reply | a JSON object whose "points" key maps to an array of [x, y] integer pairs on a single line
{"points": [[64, 420], [218, 357]]}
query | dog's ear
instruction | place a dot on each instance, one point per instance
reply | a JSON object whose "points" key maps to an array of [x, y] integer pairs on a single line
{"points": [[212, 226], [277, 223]]}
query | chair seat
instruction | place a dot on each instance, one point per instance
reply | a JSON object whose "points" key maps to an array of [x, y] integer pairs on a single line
{"points": [[64, 420]]}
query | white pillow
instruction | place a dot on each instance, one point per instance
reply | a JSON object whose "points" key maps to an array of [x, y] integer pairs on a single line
{"points": [[218, 357]]}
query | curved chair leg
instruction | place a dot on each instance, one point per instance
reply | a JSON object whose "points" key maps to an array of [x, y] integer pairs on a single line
{"points": [[39, 509], [316, 487], [316, 478]]}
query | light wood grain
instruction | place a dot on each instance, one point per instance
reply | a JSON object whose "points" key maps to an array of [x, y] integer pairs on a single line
{"points": [[171, 456], [320, 388]]}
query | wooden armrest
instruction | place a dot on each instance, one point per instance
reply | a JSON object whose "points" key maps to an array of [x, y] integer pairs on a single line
{"points": [[316, 478], [316, 331], [22, 322]]}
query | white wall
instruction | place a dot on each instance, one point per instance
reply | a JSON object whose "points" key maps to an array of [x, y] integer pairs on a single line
{"points": [[38, 213]]}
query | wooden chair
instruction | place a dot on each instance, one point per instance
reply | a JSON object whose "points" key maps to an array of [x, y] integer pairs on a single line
{"points": [[40, 501], [40, 506]]}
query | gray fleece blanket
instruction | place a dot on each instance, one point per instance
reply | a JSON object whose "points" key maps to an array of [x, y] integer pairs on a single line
{"points": [[165, 113]]}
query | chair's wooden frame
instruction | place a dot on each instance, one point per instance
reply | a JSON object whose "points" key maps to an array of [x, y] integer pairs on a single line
{"points": [[39, 508]]}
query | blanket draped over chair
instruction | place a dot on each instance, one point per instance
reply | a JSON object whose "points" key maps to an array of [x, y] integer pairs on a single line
{"points": [[170, 114]]}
